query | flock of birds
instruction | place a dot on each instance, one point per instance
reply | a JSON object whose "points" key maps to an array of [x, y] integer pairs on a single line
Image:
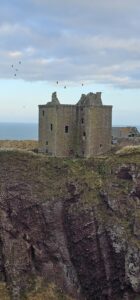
{"points": [[17, 69]]}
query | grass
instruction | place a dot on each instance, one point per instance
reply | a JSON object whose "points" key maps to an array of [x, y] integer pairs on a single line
{"points": [[14, 144], [128, 150], [4, 294], [49, 293]]}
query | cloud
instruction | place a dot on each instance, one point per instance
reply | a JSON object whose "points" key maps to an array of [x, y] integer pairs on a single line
{"points": [[72, 41], [15, 54]]}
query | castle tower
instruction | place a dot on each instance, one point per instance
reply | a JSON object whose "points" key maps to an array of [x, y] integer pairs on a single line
{"points": [[82, 130], [94, 125]]}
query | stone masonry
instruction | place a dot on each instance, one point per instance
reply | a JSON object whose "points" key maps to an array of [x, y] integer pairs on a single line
{"points": [[81, 130]]}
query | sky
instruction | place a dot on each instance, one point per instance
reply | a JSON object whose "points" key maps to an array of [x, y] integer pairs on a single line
{"points": [[85, 45]]}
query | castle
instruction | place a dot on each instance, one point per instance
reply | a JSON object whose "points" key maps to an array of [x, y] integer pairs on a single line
{"points": [[81, 130]]}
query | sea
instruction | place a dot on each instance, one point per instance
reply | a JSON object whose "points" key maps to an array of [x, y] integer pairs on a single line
{"points": [[26, 131], [18, 131]]}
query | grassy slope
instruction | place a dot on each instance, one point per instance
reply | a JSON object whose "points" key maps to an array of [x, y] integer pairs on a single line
{"points": [[25, 144]]}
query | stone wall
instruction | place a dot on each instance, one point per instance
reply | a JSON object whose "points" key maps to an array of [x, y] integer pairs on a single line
{"points": [[57, 129], [99, 136], [93, 130], [65, 130]]}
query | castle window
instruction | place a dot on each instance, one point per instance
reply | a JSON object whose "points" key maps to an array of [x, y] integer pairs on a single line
{"points": [[46, 142], [71, 152], [66, 129], [82, 120], [101, 145], [51, 127], [84, 134], [43, 112]]}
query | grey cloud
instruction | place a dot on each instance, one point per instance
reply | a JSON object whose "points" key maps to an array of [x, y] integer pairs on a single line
{"points": [[72, 40]]}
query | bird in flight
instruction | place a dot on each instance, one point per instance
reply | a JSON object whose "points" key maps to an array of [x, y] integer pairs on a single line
{"points": [[16, 70]]}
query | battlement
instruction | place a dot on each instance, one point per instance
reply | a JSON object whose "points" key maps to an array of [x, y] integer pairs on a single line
{"points": [[54, 101], [90, 99]]}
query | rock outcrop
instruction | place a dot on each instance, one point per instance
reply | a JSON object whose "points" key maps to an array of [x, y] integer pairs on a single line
{"points": [[69, 229]]}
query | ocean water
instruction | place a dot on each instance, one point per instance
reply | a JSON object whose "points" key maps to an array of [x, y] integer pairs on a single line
{"points": [[18, 131], [22, 131]]}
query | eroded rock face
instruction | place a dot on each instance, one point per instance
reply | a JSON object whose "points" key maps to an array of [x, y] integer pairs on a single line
{"points": [[72, 224], [33, 242]]}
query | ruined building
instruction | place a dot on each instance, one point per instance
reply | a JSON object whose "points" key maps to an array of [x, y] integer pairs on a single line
{"points": [[81, 130], [125, 132]]}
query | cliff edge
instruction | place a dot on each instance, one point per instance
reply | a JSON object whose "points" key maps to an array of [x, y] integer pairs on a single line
{"points": [[69, 229]]}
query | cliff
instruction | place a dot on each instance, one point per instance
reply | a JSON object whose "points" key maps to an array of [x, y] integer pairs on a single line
{"points": [[69, 229]]}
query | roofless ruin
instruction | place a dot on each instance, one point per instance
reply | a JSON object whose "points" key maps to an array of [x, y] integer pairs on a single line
{"points": [[81, 130]]}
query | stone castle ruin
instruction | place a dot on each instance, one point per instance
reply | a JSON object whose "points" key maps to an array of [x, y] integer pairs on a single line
{"points": [[81, 130]]}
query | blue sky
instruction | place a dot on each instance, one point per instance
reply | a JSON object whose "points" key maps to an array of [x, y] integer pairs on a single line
{"points": [[96, 43]]}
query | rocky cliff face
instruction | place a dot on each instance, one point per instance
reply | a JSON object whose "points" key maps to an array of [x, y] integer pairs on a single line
{"points": [[69, 229]]}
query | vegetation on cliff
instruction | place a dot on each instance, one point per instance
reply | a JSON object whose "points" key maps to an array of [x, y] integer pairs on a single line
{"points": [[69, 228]]}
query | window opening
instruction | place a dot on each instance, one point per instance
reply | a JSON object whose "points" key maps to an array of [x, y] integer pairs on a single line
{"points": [[71, 152], [51, 127], [43, 112], [82, 120], [84, 136], [66, 129], [46, 142]]}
